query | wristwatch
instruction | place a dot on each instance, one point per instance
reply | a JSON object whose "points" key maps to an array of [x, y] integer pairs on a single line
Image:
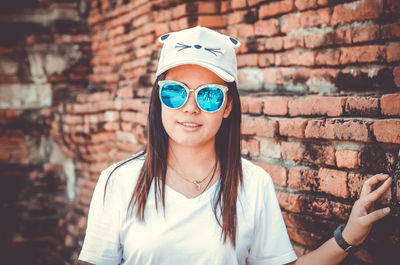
{"points": [[341, 242]]}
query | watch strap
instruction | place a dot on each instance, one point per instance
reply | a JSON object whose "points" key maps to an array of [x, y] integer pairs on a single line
{"points": [[341, 242]]}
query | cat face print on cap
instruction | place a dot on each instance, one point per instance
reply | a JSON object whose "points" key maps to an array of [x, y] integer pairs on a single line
{"points": [[200, 46]]}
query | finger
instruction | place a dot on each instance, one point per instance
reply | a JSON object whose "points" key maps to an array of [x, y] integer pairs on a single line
{"points": [[371, 182], [373, 196], [375, 215]]}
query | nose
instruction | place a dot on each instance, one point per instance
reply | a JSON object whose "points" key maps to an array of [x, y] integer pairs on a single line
{"points": [[191, 105]]}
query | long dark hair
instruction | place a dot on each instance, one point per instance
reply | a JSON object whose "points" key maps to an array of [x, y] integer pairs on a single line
{"points": [[227, 148]]}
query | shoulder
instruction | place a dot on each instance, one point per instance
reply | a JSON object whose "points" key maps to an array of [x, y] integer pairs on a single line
{"points": [[254, 174], [123, 173]]}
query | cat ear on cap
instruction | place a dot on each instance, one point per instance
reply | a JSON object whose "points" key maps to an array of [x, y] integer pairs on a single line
{"points": [[235, 43], [163, 38]]}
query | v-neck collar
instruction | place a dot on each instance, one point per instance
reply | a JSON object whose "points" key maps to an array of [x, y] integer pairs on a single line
{"points": [[171, 193]]}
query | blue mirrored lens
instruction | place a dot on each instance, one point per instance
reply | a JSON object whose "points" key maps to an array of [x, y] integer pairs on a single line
{"points": [[173, 95], [210, 98]]}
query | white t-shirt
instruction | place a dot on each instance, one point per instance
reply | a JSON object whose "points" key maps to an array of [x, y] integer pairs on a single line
{"points": [[188, 232]]}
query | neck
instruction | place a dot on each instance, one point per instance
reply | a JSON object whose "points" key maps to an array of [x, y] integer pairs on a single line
{"points": [[197, 160]]}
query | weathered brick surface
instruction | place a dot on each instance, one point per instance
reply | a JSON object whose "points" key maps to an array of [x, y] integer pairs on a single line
{"points": [[319, 83], [387, 131], [339, 129]]}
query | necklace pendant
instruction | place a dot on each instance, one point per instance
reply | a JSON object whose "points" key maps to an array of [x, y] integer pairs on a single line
{"points": [[197, 185]]}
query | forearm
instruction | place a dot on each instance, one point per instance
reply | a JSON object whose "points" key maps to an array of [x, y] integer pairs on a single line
{"points": [[328, 254]]}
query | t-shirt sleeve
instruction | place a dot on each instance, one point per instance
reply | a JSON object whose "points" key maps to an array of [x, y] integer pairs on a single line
{"points": [[101, 245], [271, 244]]}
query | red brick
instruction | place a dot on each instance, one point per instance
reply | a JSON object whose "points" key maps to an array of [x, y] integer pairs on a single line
{"points": [[390, 104], [161, 29], [275, 8], [244, 105], [288, 201], [305, 238], [249, 126], [340, 210], [72, 119], [347, 158], [247, 60], [253, 2], [273, 76], [355, 183], [368, 33], [246, 31], [254, 147], [94, 97], [393, 6], [236, 17], [333, 182], [339, 129], [208, 7], [270, 148], [306, 58], [318, 154], [362, 106], [292, 127], [267, 27], [303, 179], [111, 116], [314, 18], [387, 131], [391, 31], [325, 39], [244, 148], [363, 54], [317, 206], [290, 22], [211, 21], [275, 43], [255, 105], [328, 57], [316, 105], [266, 128], [102, 137], [252, 45], [237, 4], [163, 15], [305, 4], [393, 53], [277, 173], [293, 41], [276, 106], [292, 151], [396, 74], [357, 11], [266, 59]]}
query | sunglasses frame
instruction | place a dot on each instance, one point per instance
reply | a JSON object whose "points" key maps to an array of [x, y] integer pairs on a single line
{"points": [[223, 88]]}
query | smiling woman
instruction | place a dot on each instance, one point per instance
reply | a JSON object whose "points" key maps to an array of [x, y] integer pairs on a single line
{"points": [[190, 198]]}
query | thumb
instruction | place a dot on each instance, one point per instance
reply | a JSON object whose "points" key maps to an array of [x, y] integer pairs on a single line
{"points": [[376, 215]]}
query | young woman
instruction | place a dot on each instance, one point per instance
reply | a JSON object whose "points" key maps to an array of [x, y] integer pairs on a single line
{"points": [[190, 198]]}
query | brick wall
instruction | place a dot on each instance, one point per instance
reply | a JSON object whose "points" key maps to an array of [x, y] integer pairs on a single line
{"points": [[320, 89], [44, 60]]}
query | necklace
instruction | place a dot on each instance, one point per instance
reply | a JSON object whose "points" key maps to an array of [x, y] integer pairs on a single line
{"points": [[197, 183]]}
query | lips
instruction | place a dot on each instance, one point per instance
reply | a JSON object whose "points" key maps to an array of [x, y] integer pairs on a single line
{"points": [[190, 124]]}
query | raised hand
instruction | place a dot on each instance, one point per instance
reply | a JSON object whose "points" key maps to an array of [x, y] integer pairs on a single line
{"points": [[362, 215]]}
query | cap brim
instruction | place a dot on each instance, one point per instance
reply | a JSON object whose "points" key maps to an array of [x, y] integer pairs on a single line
{"points": [[222, 74]]}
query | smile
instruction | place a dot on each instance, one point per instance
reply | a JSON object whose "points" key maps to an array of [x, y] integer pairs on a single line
{"points": [[189, 124]]}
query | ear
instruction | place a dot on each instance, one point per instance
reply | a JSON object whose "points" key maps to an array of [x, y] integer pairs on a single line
{"points": [[228, 108]]}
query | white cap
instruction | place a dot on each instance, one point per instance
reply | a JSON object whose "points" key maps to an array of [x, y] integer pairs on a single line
{"points": [[201, 46]]}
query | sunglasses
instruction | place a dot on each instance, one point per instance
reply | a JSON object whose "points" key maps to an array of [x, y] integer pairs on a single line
{"points": [[209, 98]]}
